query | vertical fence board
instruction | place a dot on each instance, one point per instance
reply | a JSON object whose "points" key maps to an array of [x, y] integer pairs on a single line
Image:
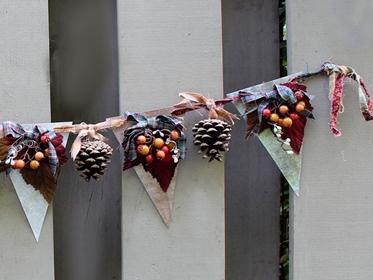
{"points": [[251, 56], [167, 47], [331, 220], [85, 88], [24, 94]]}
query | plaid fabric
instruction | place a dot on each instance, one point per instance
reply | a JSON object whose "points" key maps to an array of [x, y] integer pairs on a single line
{"points": [[138, 125], [14, 130]]}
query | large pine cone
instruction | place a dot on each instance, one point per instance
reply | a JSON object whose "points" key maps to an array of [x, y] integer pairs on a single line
{"points": [[213, 136], [93, 159]]}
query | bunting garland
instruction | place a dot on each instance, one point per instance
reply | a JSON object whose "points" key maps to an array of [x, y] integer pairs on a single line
{"points": [[154, 142]]}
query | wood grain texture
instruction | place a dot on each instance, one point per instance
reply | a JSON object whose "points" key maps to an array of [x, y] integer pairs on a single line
{"points": [[331, 220], [85, 88], [24, 94], [251, 56], [167, 47]]}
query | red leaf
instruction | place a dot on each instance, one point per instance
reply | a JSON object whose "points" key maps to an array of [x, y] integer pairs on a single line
{"points": [[5, 144], [162, 170], [220, 102], [295, 133], [182, 111], [294, 86], [60, 149], [131, 163], [41, 179]]}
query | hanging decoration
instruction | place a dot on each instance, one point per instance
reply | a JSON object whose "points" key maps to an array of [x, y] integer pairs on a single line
{"points": [[32, 155], [252, 103], [154, 142], [90, 151], [212, 135], [284, 109]]}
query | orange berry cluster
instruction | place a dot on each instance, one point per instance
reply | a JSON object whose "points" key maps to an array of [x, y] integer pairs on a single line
{"points": [[162, 145], [34, 163], [285, 116]]}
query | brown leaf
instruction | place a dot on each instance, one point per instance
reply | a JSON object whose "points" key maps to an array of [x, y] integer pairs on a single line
{"points": [[252, 120], [194, 97], [4, 147], [41, 179]]}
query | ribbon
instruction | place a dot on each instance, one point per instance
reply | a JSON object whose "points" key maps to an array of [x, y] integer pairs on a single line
{"points": [[136, 121], [14, 130], [337, 74], [89, 130], [193, 101]]}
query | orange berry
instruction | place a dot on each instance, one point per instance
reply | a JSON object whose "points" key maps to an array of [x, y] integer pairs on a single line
{"points": [[294, 116], [18, 163], [284, 109], [34, 164], [302, 103], [287, 122], [175, 135], [39, 155], [141, 139], [143, 150], [165, 149], [158, 143], [44, 139], [299, 108], [171, 145], [280, 121], [299, 95], [160, 154], [46, 152], [274, 118]]}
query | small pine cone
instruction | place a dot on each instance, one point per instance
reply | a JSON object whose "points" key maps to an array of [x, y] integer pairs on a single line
{"points": [[213, 136], [93, 159]]}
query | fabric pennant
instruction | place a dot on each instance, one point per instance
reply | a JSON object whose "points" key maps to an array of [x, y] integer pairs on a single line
{"points": [[33, 203], [289, 164], [161, 198]]}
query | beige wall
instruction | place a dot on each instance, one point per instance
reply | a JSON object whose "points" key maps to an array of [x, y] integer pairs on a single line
{"points": [[166, 47], [331, 224], [24, 95]]}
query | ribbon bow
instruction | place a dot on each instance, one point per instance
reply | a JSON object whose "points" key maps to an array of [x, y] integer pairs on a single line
{"points": [[14, 130], [193, 101]]}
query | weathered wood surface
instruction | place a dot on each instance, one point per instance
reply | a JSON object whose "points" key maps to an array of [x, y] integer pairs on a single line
{"points": [[24, 94], [252, 180]]}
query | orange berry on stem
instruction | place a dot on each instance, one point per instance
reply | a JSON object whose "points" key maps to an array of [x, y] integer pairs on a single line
{"points": [[299, 108], [279, 122], [294, 116], [141, 139], [46, 152], [287, 122], [299, 95], [34, 164], [274, 118], [165, 149], [160, 154], [19, 163], [143, 150], [175, 134], [39, 155], [158, 143], [284, 109], [302, 103]]}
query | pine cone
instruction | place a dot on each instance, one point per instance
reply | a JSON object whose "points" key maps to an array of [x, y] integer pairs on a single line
{"points": [[213, 136], [93, 159]]}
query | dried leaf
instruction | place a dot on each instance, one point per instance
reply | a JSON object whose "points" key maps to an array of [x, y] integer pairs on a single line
{"points": [[220, 102], [194, 97], [162, 170], [226, 115], [60, 149], [4, 147], [41, 179], [182, 111], [252, 120]]}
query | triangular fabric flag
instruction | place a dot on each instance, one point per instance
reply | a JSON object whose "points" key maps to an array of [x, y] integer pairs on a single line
{"points": [[162, 200], [289, 164], [33, 203]]}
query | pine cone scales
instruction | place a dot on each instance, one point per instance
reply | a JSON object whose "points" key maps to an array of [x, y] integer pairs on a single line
{"points": [[93, 159], [213, 136]]}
